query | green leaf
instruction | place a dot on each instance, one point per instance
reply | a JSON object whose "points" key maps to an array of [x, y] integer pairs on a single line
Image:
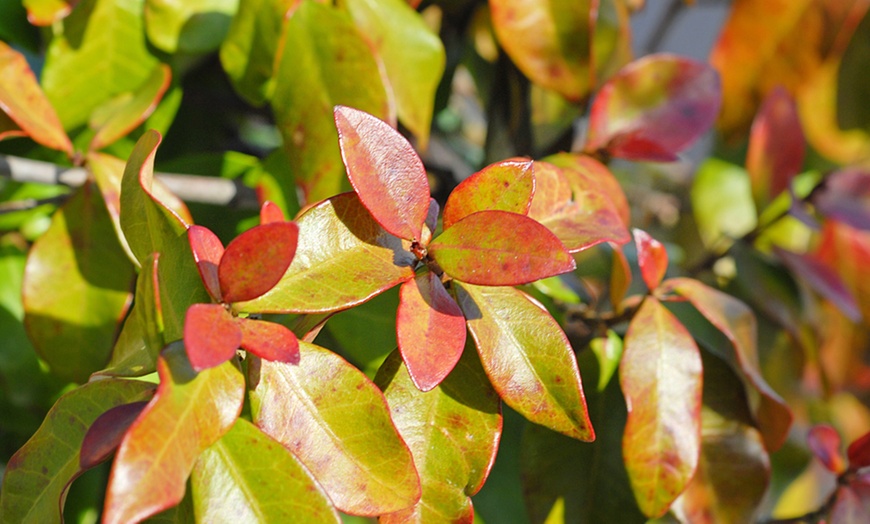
{"points": [[189, 413], [23, 101], [343, 258], [256, 260], [504, 186], [324, 62], [430, 330], [527, 357], [108, 171], [336, 422], [413, 57], [498, 248], [453, 432], [124, 113], [722, 202], [737, 322], [99, 53], [46, 12], [248, 475], [661, 377], [385, 172], [608, 352], [197, 26], [39, 473], [366, 333], [77, 287]]}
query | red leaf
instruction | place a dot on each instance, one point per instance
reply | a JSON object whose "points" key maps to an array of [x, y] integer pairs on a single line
{"points": [[498, 248], [651, 257], [105, 434], [824, 442], [269, 340], [859, 452], [504, 186], [776, 147], [823, 279], [207, 252], [270, 212], [385, 172], [211, 335], [256, 260], [661, 378], [430, 329], [653, 108], [845, 196]]}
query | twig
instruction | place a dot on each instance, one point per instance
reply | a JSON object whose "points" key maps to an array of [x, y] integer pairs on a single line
{"points": [[661, 30]]}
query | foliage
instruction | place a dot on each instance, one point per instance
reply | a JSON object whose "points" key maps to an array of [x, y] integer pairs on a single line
{"points": [[420, 343]]}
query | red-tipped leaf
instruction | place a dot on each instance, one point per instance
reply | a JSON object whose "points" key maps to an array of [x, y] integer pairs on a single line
{"points": [[269, 340], [105, 434], [430, 329], [256, 260], [270, 212], [498, 248], [207, 252], [211, 335], [824, 442], [504, 186], [385, 172], [651, 257]]}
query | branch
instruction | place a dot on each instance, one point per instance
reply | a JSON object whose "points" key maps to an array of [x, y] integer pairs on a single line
{"points": [[190, 188]]}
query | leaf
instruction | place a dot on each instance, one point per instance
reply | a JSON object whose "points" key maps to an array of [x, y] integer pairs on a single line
{"points": [[776, 147], [253, 478], [109, 32], [620, 278], [256, 260], [608, 352], [575, 209], [722, 202], [859, 452], [844, 195], [661, 377], [108, 171], [671, 101], [125, 113], [846, 250], [39, 473], [46, 12], [211, 335], [23, 101], [823, 280], [343, 258], [189, 413], [527, 357], [413, 58], [586, 174], [324, 62], [207, 252], [105, 434], [190, 27], [824, 442], [453, 432], [430, 330], [76, 288], [269, 340], [270, 212], [498, 248], [336, 422], [651, 257], [366, 334], [503, 186], [736, 321], [557, 53]]}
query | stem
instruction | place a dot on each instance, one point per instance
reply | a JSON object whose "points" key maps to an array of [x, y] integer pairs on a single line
{"points": [[663, 28]]}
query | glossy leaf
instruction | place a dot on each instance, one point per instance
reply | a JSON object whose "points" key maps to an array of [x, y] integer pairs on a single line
{"points": [[413, 57], [109, 30], [498, 248], [197, 26], [776, 147], [385, 172], [336, 422], [844, 195], [207, 252], [859, 452], [124, 113], [343, 258], [324, 62], [23, 101], [270, 212], [722, 202], [504, 186], [671, 101], [576, 209], [38, 474], [105, 434], [46, 12], [527, 357], [586, 174], [661, 377], [248, 475], [430, 330], [108, 171], [256, 260], [73, 325], [269, 340], [736, 321], [823, 280], [189, 413], [557, 53], [651, 257], [453, 432], [211, 335], [825, 442]]}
